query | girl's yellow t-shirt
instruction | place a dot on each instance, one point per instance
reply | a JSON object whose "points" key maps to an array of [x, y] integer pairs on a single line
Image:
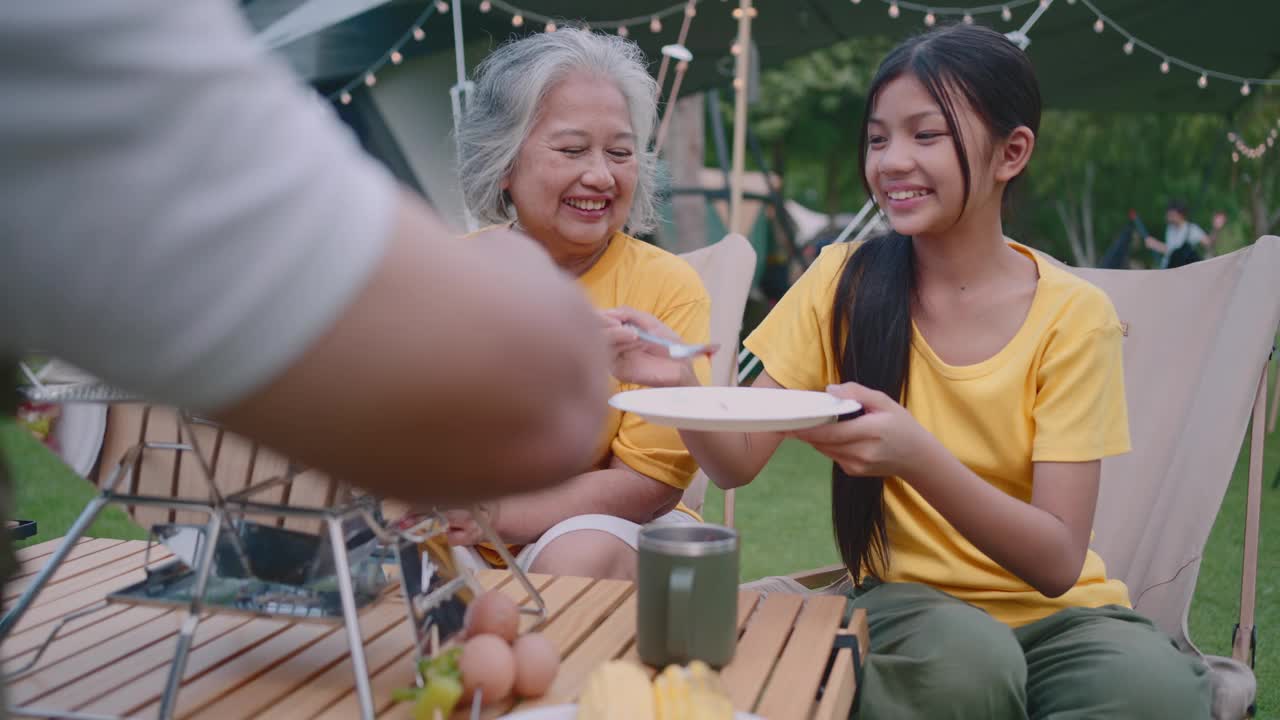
{"points": [[1054, 393]]}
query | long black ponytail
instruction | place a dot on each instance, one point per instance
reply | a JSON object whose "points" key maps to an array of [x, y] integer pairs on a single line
{"points": [[871, 326]]}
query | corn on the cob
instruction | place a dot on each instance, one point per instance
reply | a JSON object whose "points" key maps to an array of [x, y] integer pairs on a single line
{"points": [[616, 691], [691, 693]]}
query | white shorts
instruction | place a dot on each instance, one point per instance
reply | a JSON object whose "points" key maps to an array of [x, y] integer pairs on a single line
{"points": [[625, 530]]}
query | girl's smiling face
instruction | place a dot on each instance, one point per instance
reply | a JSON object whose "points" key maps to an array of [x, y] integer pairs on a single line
{"points": [[913, 164]]}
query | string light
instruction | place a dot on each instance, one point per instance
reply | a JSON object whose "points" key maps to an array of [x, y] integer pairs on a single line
{"points": [[1235, 157], [857, 2], [1164, 67], [1099, 26], [485, 6], [894, 12], [1245, 90], [551, 27], [1128, 48], [691, 11], [968, 19], [442, 7], [517, 20], [735, 49], [751, 12], [655, 25], [1006, 14], [623, 31], [1203, 82], [930, 19], [393, 55]]}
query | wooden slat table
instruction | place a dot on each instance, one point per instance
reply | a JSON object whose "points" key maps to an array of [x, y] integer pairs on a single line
{"points": [[115, 660]]}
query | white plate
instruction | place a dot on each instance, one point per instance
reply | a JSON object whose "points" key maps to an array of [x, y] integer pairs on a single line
{"points": [[570, 712], [79, 431], [744, 409]]}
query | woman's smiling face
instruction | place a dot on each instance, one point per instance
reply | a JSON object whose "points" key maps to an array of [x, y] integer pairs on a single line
{"points": [[575, 176]]}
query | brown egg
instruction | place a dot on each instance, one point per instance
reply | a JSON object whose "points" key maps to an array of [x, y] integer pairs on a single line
{"points": [[493, 614], [487, 664], [537, 663]]}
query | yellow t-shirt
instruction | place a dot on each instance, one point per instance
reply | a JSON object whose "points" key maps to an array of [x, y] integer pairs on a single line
{"points": [[641, 276], [636, 274], [1054, 393]]}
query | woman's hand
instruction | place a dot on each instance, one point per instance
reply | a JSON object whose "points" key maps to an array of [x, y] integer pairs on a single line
{"points": [[463, 529], [884, 441], [638, 362]]}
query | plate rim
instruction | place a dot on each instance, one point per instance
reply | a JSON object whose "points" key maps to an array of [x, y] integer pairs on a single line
{"points": [[841, 406]]}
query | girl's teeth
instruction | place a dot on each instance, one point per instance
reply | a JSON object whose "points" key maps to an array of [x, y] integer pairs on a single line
{"points": [[908, 195]]}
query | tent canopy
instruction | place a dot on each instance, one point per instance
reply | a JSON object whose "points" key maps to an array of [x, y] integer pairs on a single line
{"points": [[1078, 67]]}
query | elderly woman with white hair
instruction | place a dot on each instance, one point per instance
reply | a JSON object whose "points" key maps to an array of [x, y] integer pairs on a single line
{"points": [[555, 144]]}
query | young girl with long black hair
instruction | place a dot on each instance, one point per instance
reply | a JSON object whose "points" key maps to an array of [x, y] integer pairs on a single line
{"points": [[992, 381]]}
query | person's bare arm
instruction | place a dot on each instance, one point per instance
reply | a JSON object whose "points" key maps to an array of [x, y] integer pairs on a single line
{"points": [[617, 490], [733, 459], [464, 370]]}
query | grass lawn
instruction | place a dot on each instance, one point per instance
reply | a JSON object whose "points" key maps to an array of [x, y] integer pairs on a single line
{"points": [[785, 521]]}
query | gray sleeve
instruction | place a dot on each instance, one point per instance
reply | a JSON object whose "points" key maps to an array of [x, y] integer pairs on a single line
{"points": [[178, 214], [1195, 233]]}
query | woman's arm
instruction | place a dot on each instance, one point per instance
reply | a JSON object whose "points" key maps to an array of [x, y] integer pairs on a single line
{"points": [[1042, 542], [617, 490], [733, 459]]}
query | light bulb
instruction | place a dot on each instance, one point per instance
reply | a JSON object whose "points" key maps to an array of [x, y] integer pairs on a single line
{"points": [[735, 49], [370, 80], [1245, 89], [418, 34], [1071, 2], [442, 7], [396, 57], [1203, 82], [1231, 136], [1164, 67], [1098, 25], [551, 27], [857, 2], [517, 20], [623, 31], [690, 11], [1235, 157], [1271, 141], [737, 83], [1128, 48], [1006, 14], [894, 12], [753, 11], [345, 98], [968, 19], [655, 25], [485, 6], [930, 19]]}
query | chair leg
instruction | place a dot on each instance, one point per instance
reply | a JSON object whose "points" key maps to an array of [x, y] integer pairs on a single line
{"points": [[342, 570]]}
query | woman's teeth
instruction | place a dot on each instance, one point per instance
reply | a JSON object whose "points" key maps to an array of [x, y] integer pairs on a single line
{"points": [[908, 194], [587, 204]]}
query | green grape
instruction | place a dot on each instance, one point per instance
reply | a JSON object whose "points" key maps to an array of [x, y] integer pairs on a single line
{"points": [[441, 693]]}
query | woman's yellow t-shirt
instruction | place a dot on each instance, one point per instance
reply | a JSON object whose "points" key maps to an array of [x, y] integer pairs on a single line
{"points": [[1054, 393]]}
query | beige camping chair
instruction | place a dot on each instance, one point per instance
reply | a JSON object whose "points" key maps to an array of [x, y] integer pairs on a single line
{"points": [[1197, 343], [726, 269]]}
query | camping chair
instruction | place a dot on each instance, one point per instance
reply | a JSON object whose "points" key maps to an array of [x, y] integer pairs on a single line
{"points": [[1196, 350], [726, 269]]}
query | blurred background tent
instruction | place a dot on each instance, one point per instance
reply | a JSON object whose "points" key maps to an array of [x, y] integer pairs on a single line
{"points": [[1100, 56]]}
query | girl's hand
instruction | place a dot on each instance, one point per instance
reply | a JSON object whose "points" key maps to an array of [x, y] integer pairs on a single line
{"points": [[643, 363], [884, 441]]}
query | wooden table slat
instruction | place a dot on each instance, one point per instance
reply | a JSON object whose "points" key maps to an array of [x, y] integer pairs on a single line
{"points": [[116, 660], [190, 481], [758, 650], [794, 684], [103, 679], [257, 698], [128, 697], [74, 566], [566, 630], [391, 649], [746, 605], [30, 564]]}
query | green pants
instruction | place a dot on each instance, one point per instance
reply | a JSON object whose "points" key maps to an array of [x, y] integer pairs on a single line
{"points": [[934, 656]]}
